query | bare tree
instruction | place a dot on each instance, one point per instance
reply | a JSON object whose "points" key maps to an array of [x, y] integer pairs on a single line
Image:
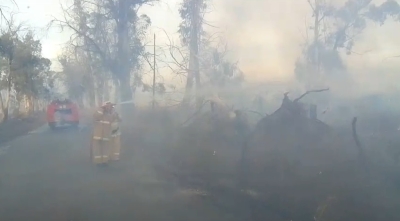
{"points": [[2, 15]]}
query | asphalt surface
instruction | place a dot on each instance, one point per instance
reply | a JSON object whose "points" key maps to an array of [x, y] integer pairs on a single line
{"points": [[47, 175]]}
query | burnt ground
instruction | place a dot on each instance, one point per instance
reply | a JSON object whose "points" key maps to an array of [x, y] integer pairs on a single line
{"points": [[16, 127]]}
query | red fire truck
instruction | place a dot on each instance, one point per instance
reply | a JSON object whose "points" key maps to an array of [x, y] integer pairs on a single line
{"points": [[62, 113]]}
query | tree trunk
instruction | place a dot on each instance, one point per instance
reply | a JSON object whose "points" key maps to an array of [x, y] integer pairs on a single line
{"points": [[5, 115], [194, 69], [127, 109], [91, 95], [92, 98], [116, 91], [80, 101], [2, 103], [199, 94], [9, 84], [124, 51], [31, 105], [20, 99], [99, 90], [5, 107], [106, 91], [125, 90], [189, 85], [26, 104], [316, 43], [195, 41], [123, 72]]}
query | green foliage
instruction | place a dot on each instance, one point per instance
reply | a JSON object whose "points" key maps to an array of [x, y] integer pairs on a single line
{"points": [[345, 24], [219, 69], [390, 8], [7, 45], [350, 21], [30, 68], [74, 77], [214, 65], [186, 12], [29, 71]]}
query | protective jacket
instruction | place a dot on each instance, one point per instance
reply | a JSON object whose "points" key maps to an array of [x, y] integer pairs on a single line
{"points": [[106, 136]]}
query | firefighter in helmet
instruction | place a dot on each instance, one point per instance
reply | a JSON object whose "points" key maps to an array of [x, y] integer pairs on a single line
{"points": [[105, 145]]}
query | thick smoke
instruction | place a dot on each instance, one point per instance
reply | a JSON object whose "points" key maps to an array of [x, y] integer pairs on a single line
{"points": [[267, 37]]}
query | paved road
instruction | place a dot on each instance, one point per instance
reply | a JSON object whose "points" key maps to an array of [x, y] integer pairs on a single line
{"points": [[47, 175]]}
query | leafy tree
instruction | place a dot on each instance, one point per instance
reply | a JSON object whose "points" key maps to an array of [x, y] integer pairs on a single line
{"points": [[336, 29], [388, 9], [218, 70], [31, 69], [8, 42], [25, 74], [110, 32]]}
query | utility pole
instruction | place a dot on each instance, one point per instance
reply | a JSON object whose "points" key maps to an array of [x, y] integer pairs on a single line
{"points": [[154, 73]]}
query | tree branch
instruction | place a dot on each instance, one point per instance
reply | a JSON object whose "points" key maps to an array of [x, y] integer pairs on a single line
{"points": [[308, 92]]}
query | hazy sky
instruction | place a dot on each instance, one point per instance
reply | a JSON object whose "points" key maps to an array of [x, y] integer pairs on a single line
{"points": [[263, 35], [39, 13]]}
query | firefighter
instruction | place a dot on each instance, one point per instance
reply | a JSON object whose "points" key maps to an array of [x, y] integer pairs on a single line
{"points": [[106, 137]]}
